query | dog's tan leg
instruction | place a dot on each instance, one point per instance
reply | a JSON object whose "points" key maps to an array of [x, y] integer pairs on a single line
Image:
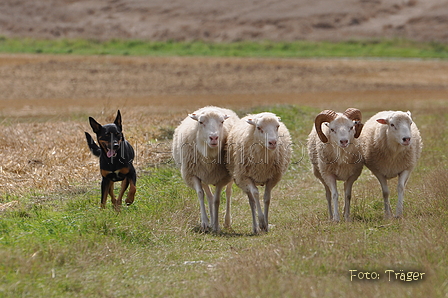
{"points": [[131, 193], [112, 196], [124, 186], [106, 186]]}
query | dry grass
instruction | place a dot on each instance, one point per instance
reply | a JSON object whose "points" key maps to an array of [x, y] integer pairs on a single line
{"points": [[52, 155]]}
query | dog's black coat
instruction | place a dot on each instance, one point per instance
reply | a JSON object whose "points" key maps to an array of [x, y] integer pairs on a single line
{"points": [[116, 157]]}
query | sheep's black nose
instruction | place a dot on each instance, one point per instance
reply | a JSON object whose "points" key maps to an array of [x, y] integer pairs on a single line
{"points": [[406, 140]]}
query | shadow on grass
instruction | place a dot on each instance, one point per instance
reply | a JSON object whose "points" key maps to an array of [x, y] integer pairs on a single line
{"points": [[224, 233]]}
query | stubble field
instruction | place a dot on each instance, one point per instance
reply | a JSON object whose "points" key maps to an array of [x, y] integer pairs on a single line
{"points": [[55, 241]]}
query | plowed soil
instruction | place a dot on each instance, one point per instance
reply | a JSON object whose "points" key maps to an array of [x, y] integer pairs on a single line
{"points": [[49, 85], [230, 20]]}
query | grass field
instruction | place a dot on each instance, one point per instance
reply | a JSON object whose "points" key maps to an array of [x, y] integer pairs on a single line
{"points": [[56, 242], [368, 48]]}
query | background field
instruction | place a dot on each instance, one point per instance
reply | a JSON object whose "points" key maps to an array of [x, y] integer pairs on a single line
{"points": [[56, 242]]}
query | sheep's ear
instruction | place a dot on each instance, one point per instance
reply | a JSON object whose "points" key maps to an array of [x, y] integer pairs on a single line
{"points": [[226, 117], [382, 121], [251, 121], [193, 116], [279, 119], [409, 114], [327, 124], [358, 128]]}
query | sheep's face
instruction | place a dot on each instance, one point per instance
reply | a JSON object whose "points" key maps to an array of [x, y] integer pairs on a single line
{"points": [[341, 131], [266, 130], [398, 127], [210, 128]]}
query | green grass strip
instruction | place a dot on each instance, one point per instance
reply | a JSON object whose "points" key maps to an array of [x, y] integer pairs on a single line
{"points": [[396, 48]]}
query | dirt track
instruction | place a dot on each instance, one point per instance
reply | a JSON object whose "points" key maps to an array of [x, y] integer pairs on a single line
{"points": [[38, 84]]}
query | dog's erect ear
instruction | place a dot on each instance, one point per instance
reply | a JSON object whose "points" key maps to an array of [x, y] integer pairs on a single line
{"points": [[117, 121], [95, 125]]}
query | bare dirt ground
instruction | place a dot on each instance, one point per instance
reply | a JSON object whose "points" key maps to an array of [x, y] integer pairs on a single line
{"points": [[38, 84], [231, 20]]}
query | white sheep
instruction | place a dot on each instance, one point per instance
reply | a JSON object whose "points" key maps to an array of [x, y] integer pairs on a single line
{"points": [[391, 146], [336, 155], [198, 145], [258, 153]]}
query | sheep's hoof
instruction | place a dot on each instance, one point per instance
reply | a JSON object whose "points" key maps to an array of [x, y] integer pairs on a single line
{"points": [[263, 224], [204, 228], [256, 230], [216, 230], [388, 216], [264, 228]]}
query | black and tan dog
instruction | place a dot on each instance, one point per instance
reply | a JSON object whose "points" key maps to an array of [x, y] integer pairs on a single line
{"points": [[116, 157]]}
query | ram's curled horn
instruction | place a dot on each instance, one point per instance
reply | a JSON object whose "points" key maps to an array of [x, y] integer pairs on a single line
{"points": [[355, 115], [324, 116]]}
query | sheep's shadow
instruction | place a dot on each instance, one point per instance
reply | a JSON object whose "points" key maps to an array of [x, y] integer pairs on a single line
{"points": [[224, 233]]}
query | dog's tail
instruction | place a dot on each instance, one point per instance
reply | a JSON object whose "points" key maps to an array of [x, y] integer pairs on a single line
{"points": [[94, 148]]}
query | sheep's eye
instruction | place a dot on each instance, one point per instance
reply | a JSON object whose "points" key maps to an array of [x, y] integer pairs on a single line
{"points": [[278, 127], [200, 122], [258, 127], [332, 130], [392, 125]]}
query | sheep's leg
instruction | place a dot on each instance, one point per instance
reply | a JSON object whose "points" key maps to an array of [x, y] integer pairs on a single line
{"points": [[348, 185], [228, 218], [331, 182], [385, 189], [210, 199], [328, 196], [402, 181], [267, 199], [216, 202], [253, 195], [197, 185]]}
